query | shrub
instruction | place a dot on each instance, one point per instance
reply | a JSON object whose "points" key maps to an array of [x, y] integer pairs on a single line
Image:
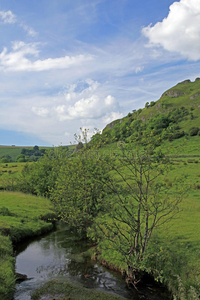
{"points": [[193, 131]]}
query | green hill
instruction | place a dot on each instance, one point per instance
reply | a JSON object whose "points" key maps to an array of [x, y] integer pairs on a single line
{"points": [[14, 153], [175, 115]]}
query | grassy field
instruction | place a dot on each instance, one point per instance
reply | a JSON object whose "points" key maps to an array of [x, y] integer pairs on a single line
{"points": [[21, 216], [9, 174], [181, 237], [14, 151]]}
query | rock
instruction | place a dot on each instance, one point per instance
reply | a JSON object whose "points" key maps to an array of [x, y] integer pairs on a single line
{"points": [[21, 277], [185, 81], [173, 93]]}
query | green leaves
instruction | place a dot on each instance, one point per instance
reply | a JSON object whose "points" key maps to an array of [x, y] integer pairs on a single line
{"points": [[79, 192]]}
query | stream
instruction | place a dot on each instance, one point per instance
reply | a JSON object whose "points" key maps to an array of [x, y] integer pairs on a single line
{"points": [[57, 255]]}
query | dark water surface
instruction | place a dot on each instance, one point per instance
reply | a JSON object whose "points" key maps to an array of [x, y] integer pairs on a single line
{"points": [[58, 255]]}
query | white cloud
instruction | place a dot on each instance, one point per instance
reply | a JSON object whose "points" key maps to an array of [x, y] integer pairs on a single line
{"points": [[30, 31], [7, 17], [179, 31], [40, 111], [113, 116], [90, 108], [19, 59], [88, 103]]}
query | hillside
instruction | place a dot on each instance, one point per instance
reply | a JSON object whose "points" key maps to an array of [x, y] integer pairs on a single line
{"points": [[20, 153], [176, 114]]}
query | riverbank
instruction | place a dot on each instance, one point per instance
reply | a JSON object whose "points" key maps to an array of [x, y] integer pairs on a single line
{"points": [[21, 216]]}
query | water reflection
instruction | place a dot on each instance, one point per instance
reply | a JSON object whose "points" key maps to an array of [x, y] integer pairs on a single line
{"points": [[56, 255]]}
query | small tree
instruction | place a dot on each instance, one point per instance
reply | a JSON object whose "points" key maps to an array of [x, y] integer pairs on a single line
{"points": [[140, 202]]}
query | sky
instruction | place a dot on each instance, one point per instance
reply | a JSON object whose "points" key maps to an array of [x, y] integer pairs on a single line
{"points": [[66, 65]]}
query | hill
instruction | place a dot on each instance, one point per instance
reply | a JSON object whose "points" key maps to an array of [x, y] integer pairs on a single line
{"points": [[176, 114], [19, 153]]}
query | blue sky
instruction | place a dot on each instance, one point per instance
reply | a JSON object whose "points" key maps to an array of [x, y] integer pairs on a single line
{"points": [[69, 64]]}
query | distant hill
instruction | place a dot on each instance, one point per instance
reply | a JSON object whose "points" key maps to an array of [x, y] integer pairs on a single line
{"points": [[174, 115], [22, 154]]}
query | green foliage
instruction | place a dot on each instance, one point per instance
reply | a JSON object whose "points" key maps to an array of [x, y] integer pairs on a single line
{"points": [[21, 158], [79, 192], [194, 131], [30, 154], [4, 211], [6, 159], [14, 151], [39, 178], [140, 202]]}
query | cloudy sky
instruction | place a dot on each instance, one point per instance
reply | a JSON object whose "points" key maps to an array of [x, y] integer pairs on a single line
{"points": [[83, 63]]}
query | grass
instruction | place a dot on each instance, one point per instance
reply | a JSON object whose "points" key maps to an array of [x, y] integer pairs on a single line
{"points": [[21, 216], [9, 173], [183, 146]]}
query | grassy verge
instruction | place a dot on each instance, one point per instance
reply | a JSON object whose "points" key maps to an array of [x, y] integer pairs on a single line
{"points": [[21, 216]]}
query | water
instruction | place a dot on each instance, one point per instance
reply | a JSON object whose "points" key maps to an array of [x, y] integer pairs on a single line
{"points": [[57, 255]]}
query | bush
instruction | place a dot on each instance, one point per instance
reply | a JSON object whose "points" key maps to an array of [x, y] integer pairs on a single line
{"points": [[193, 131]]}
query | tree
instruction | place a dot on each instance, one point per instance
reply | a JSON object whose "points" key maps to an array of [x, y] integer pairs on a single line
{"points": [[140, 202], [39, 178], [79, 193], [21, 158], [35, 148], [6, 159]]}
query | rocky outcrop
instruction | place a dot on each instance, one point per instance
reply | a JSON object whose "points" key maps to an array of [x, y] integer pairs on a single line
{"points": [[185, 81], [173, 93]]}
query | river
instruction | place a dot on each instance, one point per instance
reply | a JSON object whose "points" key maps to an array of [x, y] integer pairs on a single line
{"points": [[58, 254]]}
